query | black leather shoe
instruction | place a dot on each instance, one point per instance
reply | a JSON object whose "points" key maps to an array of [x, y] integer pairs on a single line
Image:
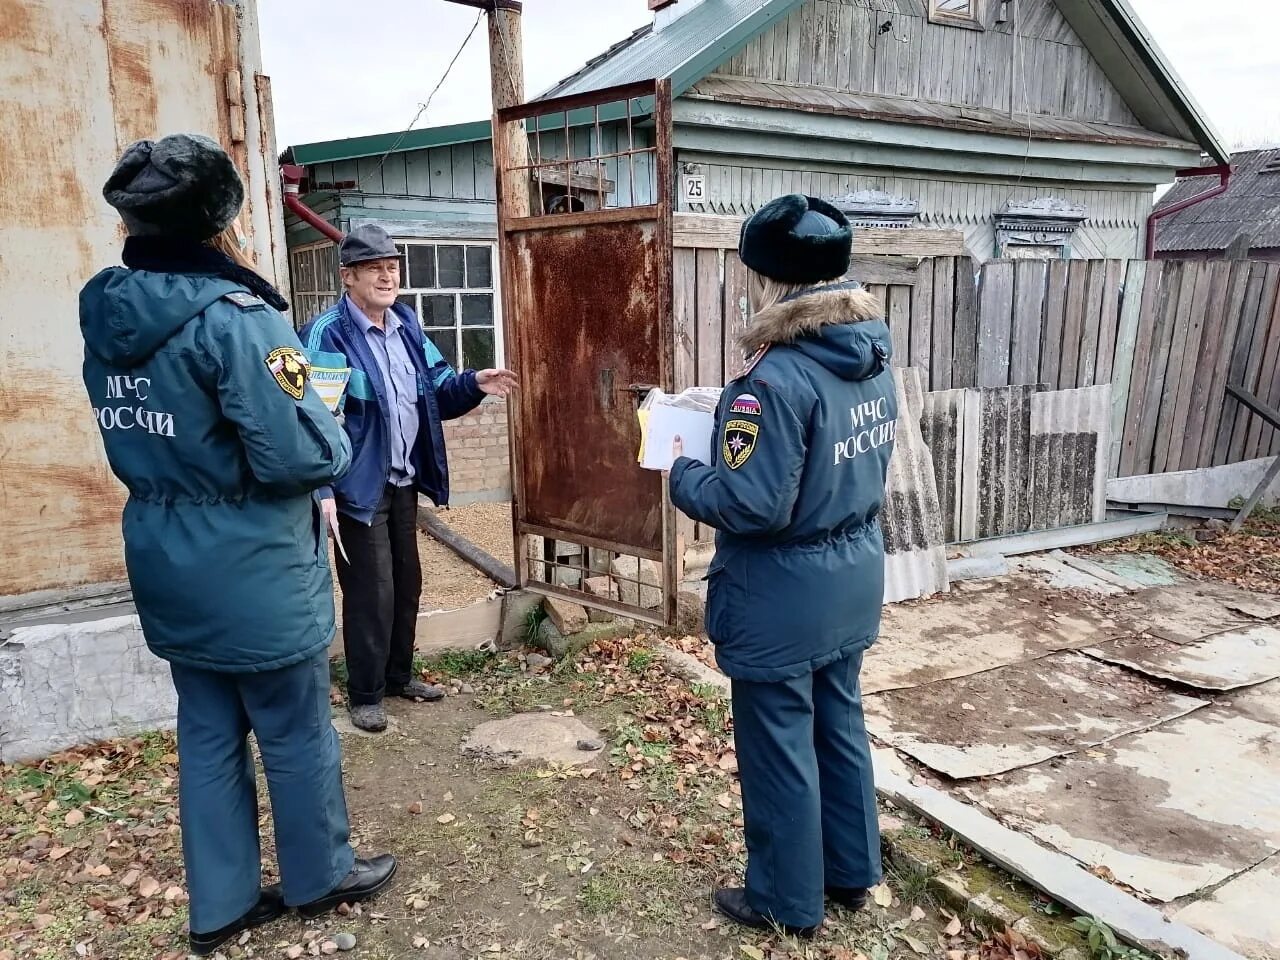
{"points": [[732, 902], [367, 877], [270, 906], [851, 898]]}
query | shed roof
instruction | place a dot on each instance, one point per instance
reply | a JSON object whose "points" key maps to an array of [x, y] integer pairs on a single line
{"points": [[1251, 206], [692, 46]]}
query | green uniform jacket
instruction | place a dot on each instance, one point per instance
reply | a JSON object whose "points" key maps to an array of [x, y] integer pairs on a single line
{"points": [[200, 391]]}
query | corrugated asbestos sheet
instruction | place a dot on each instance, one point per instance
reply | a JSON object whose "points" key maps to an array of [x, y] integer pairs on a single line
{"points": [[915, 562], [1250, 206], [1015, 459]]}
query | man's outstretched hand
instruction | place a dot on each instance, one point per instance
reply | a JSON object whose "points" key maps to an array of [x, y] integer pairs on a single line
{"points": [[496, 383]]}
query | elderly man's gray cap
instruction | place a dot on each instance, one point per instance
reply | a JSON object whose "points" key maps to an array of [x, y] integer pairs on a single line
{"points": [[184, 185], [364, 243]]}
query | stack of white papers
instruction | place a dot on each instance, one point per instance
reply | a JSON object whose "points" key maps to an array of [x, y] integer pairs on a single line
{"points": [[689, 415]]}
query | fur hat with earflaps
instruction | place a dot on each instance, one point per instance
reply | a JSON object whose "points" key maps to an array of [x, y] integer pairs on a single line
{"points": [[184, 185], [797, 239]]}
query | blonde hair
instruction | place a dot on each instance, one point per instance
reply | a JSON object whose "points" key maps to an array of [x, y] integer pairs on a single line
{"points": [[765, 292], [227, 243]]}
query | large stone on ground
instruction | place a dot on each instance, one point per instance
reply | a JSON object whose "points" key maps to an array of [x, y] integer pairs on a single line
{"points": [[517, 607], [557, 645], [641, 582], [690, 613], [569, 617], [601, 588], [531, 736]]}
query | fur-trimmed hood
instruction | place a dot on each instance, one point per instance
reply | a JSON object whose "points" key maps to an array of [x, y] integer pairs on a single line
{"points": [[839, 326]]}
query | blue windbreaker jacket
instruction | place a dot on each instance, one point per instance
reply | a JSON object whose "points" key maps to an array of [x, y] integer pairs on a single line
{"points": [[803, 442], [335, 340]]}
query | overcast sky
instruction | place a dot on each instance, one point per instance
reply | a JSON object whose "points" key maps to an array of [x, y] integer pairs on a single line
{"points": [[343, 68]]}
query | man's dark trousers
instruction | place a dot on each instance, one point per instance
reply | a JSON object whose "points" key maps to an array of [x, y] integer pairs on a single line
{"points": [[381, 589], [808, 795]]}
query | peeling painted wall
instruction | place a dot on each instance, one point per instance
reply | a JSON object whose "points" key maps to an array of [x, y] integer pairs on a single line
{"points": [[82, 79]]}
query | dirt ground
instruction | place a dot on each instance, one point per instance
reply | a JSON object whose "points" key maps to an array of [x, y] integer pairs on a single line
{"points": [[448, 581], [617, 859]]}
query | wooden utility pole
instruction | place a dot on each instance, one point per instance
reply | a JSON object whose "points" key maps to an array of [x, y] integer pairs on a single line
{"points": [[506, 77]]}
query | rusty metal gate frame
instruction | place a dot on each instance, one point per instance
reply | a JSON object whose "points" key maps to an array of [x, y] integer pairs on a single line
{"points": [[510, 225]]}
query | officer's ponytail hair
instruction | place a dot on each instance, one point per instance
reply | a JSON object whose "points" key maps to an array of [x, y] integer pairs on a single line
{"points": [[227, 243], [765, 292]]}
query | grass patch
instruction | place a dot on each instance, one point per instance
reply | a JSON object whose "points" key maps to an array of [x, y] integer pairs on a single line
{"points": [[640, 660], [454, 663]]}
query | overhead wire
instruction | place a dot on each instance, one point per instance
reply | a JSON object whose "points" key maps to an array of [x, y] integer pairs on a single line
{"points": [[423, 107]]}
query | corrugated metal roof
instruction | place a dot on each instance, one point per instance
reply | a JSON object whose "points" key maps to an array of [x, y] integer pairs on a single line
{"points": [[1251, 206], [329, 151], [683, 51]]}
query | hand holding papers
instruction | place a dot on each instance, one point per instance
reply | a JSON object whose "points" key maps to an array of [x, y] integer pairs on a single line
{"points": [[664, 417]]}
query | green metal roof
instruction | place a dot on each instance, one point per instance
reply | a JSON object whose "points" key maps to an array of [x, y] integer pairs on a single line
{"points": [[329, 151]]}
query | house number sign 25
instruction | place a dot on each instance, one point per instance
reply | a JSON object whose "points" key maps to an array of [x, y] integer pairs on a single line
{"points": [[695, 188]]}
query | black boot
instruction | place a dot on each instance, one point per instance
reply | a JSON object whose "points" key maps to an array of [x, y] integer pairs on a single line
{"points": [[732, 902], [270, 906], [367, 877], [851, 898]]}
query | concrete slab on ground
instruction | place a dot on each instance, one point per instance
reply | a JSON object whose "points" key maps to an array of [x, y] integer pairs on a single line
{"points": [[1145, 569], [1225, 661], [1183, 613], [1243, 914], [1019, 715], [532, 736], [992, 624], [1168, 811]]}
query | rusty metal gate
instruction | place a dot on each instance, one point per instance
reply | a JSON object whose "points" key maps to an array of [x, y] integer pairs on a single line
{"points": [[586, 271]]}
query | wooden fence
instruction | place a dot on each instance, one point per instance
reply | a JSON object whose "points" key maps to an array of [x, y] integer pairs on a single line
{"points": [[1168, 335]]}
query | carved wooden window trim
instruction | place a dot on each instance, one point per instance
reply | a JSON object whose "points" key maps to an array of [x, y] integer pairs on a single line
{"points": [[970, 18]]}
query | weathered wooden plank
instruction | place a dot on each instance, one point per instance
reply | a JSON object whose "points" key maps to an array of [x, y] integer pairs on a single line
{"points": [[737, 313], [1136, 458], [1214, 346], [995, 323], [711, 231], [943, 320], [899, 271], [1122, 369], [1108, 326], [1192, 363], [684, 304], [1029, 281], [1089, 332], [1073, 324], [440, 160], [1259, 432], [1055, 310], [1233, 359], [1185, 321], [964, 345], [1261, 281], [710, 319], [921, 321], [1159, 399]]}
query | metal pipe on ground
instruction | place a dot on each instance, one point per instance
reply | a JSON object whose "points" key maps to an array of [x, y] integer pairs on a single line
{"points": [[490, 566]]}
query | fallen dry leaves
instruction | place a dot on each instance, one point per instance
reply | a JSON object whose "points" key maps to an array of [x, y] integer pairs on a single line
{"points": [[1248, 559]]}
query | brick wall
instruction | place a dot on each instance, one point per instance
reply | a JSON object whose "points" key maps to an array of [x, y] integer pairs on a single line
{"points": [[479, 458]]}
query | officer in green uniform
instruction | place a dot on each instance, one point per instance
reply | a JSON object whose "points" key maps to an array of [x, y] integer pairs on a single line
{"points": [[804, 437], [200, 390]]}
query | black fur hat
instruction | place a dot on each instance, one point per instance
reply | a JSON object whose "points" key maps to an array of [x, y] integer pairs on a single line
{"points": [[797, 239], [184, 185]]}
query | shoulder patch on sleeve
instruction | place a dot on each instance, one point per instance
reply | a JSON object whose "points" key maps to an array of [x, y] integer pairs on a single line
{"points": [[291, 370], [739, 442], [746, 404], [246, 301]]}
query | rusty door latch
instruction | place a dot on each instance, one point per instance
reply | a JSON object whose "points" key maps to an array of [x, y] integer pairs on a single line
{"points": [[638, 391]]}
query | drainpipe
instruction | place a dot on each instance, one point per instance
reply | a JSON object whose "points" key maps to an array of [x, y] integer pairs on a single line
{"points": [[292, 176], [1222, 171]]}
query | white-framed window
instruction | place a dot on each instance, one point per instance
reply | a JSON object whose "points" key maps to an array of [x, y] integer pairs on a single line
{"points": [[453, 288], [957, 13], [451, 285]]}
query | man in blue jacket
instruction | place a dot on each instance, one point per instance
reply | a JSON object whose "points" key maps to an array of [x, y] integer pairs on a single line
{"points": [[804, 437], [400, 391]]}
